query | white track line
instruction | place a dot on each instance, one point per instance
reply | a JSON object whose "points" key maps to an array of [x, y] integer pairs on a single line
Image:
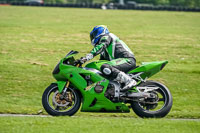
{"points": [[23, 115], [26, 115]]}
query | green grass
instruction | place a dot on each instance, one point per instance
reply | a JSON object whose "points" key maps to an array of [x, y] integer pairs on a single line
{"points": [[33, 39], [96, 125]]}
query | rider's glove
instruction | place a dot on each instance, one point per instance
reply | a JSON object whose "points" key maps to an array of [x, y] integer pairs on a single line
{"points": [[89, 56], [82, 60]]}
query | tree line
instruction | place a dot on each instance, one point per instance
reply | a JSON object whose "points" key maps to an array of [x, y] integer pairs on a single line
{"points": [[184, 3]]}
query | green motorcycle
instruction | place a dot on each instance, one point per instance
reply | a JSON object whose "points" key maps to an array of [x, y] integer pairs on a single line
{"points": [[76, 84]]}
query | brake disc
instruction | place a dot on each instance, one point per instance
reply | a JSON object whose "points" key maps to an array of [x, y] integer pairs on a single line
{"points": [[58, 101]]}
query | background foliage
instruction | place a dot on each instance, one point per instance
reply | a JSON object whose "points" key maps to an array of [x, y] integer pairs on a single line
{"points": [[185, 3]]}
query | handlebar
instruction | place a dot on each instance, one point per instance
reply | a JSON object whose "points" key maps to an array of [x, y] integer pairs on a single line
{"points": [[78, 63]]}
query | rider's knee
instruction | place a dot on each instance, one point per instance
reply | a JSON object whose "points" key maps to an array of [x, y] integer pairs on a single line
{"points": [[106, 69]]}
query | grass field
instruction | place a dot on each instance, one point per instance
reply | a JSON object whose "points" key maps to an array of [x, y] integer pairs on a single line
{"points": [[96, 125], [33, 39]]}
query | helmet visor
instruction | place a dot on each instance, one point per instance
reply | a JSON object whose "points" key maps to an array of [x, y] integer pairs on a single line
{"points": [[91, 37]]}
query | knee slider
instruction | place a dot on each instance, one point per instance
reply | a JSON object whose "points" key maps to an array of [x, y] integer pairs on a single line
{"points": [[106, 69]]}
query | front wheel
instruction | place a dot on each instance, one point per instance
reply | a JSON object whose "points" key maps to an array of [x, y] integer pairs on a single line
{"points": [[156, 107], [58, 104]]}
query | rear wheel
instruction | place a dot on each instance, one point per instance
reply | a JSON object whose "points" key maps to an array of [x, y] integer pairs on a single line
{"points": [[57, 104], [156, 107]]}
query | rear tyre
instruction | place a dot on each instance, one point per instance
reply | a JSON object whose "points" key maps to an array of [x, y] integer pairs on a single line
{"points": [[151, 110], [57, 104]]}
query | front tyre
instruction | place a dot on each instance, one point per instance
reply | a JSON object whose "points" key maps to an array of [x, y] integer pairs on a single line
{"points": [[154, 108], [58, 104]]}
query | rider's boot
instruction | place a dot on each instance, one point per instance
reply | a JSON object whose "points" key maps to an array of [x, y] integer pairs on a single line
{"points": [[124, 78]]}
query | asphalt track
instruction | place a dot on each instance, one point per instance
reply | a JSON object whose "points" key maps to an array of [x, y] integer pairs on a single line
{"points": [[26, 115]]}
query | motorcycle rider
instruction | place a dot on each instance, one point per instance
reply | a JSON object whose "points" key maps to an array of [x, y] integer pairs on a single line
{"points": [[121, 58]]}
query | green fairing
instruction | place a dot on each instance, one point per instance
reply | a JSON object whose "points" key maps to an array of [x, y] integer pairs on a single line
{"points": [[73, 74], [61, 85], [149, 68], [89, 95], [97, 64]]}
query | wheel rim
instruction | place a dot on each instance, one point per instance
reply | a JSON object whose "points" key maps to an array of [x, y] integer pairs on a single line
{"points": [[59, 102], [159, 105]]}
